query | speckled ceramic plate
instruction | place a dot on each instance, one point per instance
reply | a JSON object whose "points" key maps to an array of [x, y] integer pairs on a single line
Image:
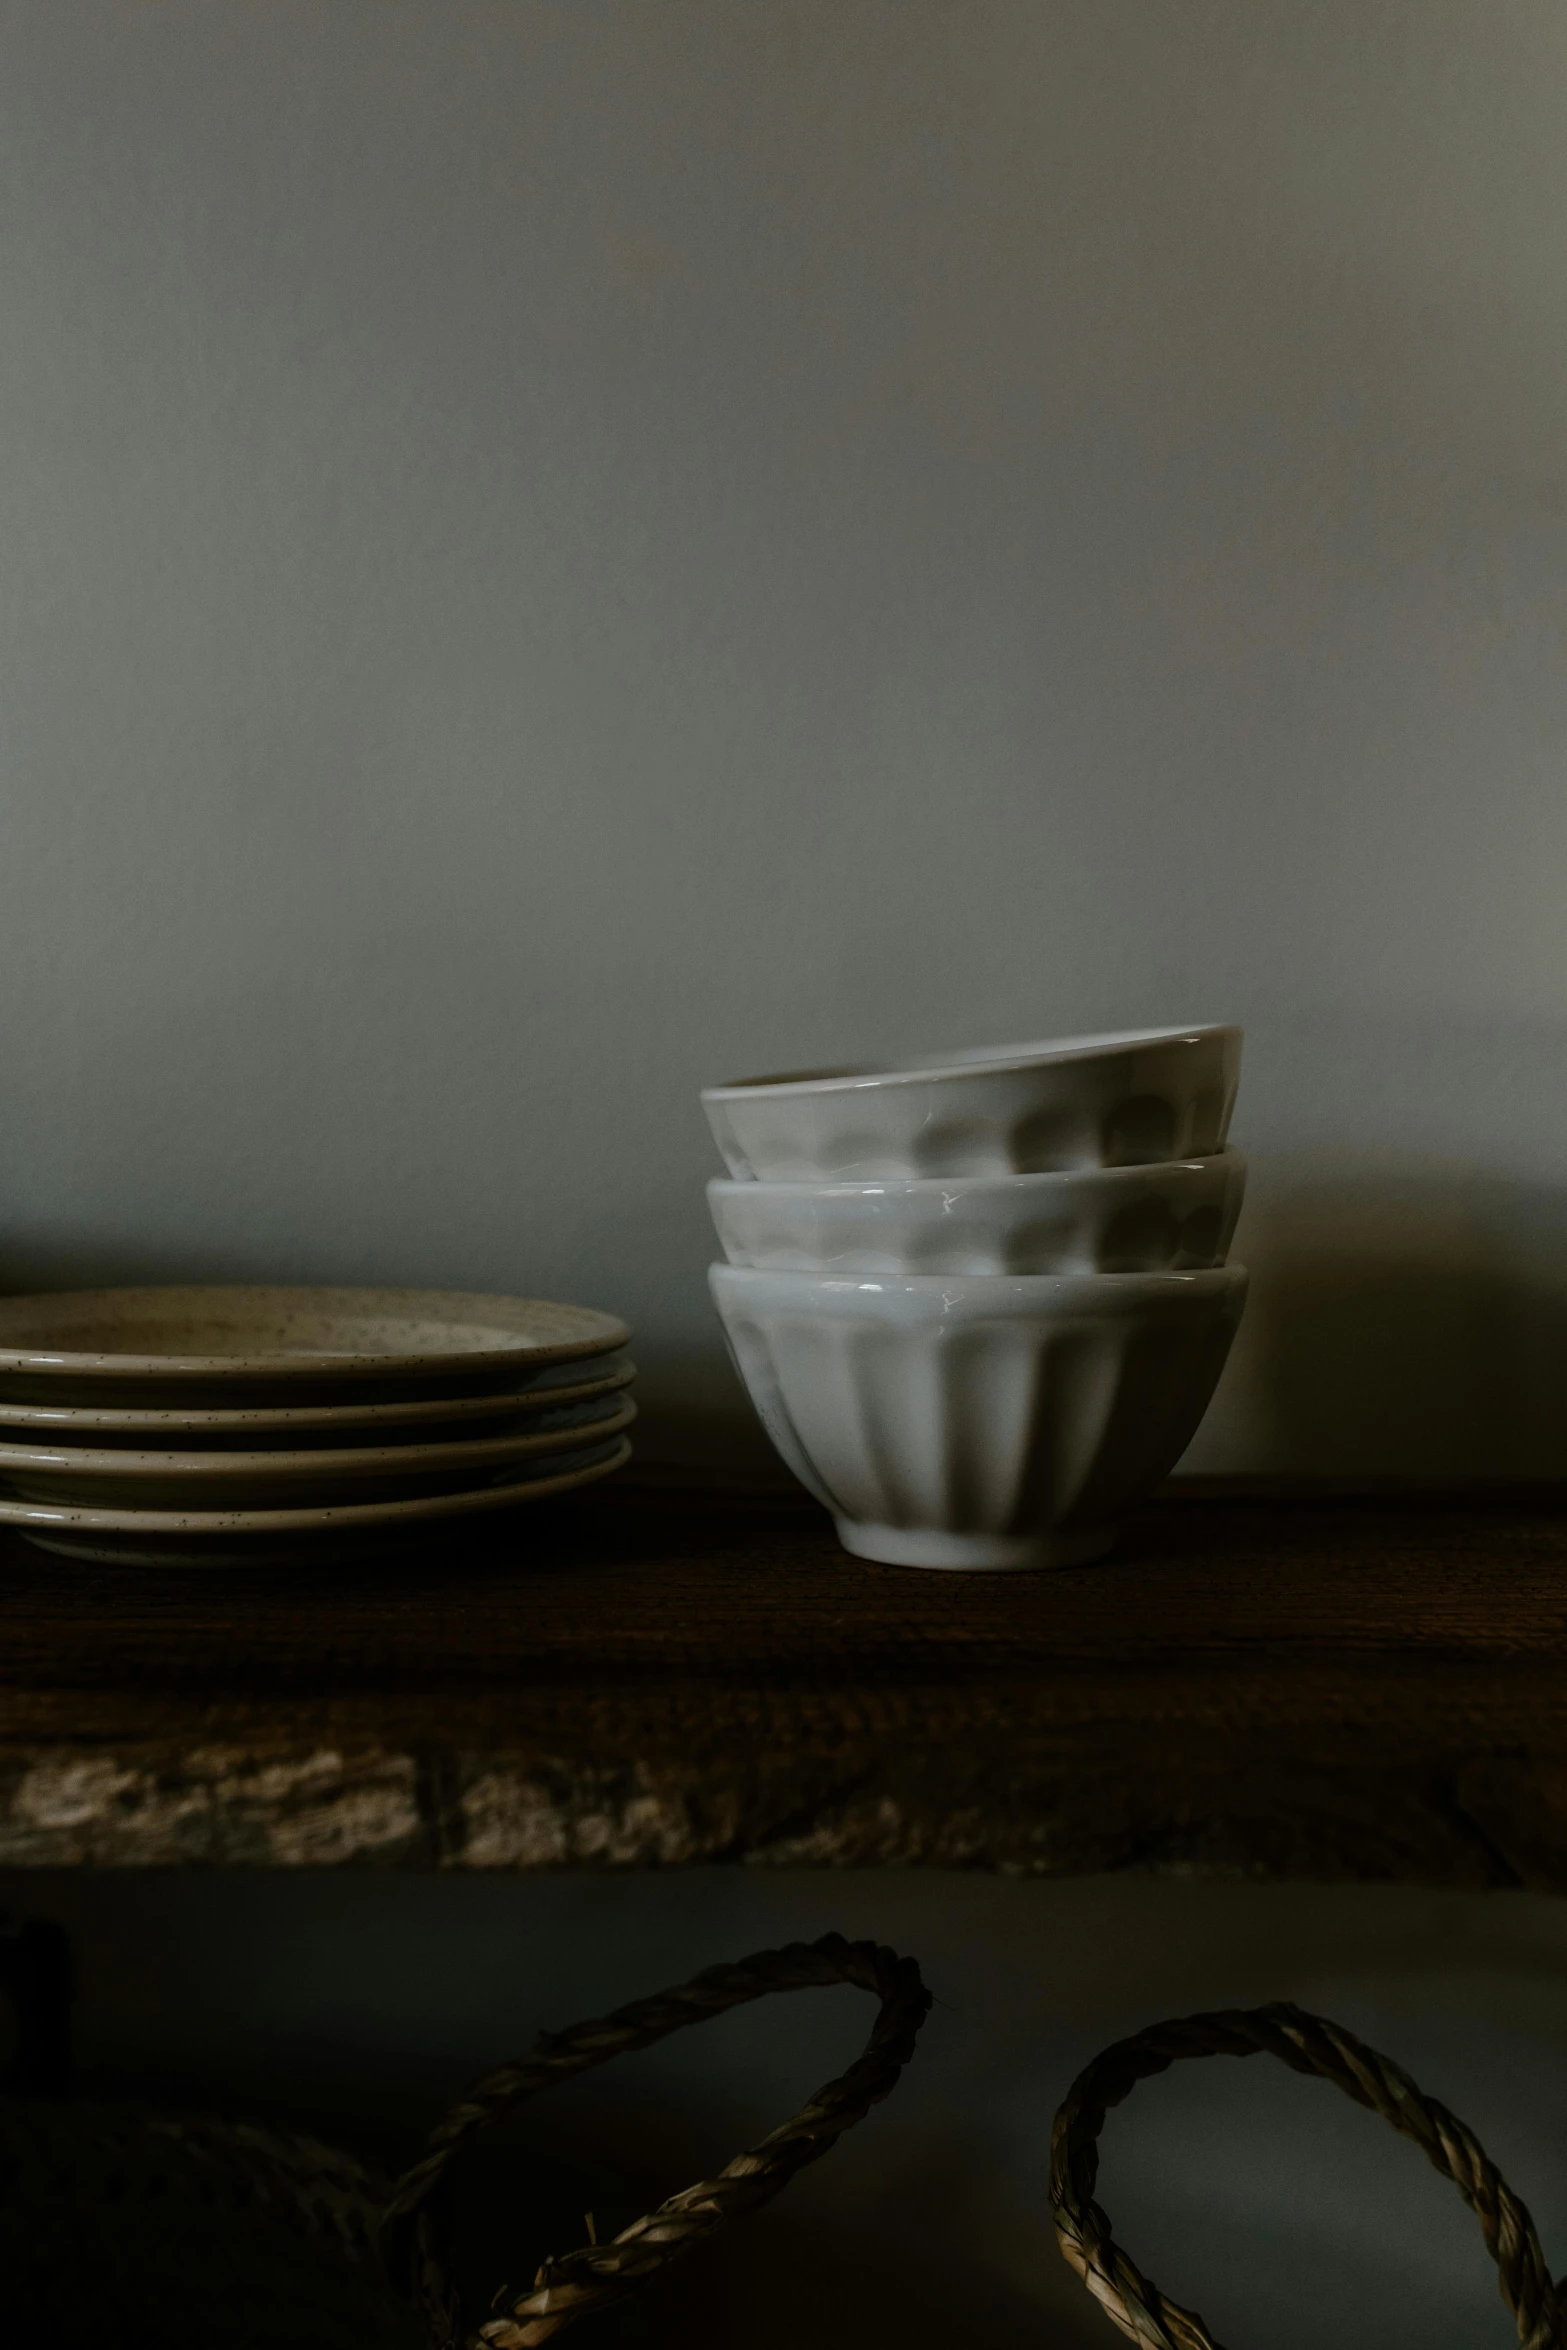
{"points": [[559, 1398], [296, 1537], [229, 1345], [120, 1477]]}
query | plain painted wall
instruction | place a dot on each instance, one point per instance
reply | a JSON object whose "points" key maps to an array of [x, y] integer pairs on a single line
{"points": [[552, 552]]}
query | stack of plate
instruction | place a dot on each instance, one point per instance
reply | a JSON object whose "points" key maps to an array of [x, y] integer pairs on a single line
{"points": [[210, 1425]]}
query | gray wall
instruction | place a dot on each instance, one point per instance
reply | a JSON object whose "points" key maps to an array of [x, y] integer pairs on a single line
{"points": [[552, 552]]}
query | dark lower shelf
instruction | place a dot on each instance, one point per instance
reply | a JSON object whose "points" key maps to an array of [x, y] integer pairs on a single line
{"points": [[1306, 1685]]}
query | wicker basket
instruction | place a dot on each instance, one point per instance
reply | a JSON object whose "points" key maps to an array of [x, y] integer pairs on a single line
{"points": [[1307, 2044], [127, 2230]]}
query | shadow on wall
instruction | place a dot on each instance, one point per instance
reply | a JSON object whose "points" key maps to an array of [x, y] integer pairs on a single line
{"points": [[1399, 1324]]}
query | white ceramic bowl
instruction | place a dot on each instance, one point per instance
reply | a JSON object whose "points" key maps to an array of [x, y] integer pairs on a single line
{"points": [[1085, 1101], [1172, 1218], [971, 1421]]}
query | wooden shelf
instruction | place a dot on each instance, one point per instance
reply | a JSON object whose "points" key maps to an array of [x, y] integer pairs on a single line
{"points": [[1309, 1685]]}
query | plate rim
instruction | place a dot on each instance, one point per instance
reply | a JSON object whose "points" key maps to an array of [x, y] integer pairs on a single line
{"points": [[96, 1461], [424, 1411], [201, 1525], [86, 1363]]}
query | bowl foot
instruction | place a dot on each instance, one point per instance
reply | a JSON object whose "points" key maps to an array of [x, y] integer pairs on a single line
{"points": [[930, 1546]]}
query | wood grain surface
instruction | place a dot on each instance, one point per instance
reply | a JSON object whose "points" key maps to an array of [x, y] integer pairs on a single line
{"points": [[1312, 1685]]}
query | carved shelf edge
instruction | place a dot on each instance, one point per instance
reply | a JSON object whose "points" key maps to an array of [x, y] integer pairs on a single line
{"points": [[1317, 1685]]}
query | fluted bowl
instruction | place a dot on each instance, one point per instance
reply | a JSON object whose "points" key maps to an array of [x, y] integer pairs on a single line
{"points": [[977, 1421], [1086, 1101], [1178, 1217]]}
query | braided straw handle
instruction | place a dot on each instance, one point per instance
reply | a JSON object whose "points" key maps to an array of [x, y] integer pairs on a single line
{"points": [[596, 2274], [1307, 2044]]}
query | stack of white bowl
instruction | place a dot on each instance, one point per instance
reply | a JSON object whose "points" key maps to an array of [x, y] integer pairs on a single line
{"points": [[981, 1301], [217, 1425]]}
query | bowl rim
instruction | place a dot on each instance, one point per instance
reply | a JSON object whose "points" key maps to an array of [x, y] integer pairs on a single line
{"points": [[995, 1289], [1227, 1160], [981, 1061]]}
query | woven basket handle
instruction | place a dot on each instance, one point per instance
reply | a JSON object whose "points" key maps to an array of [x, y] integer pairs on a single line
{"points": [[596, 2274], [1307, 2044]]}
